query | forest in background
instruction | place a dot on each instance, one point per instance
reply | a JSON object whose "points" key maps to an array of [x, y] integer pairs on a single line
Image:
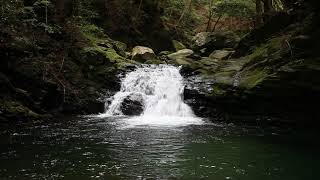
{"points": [[127, 20], [55, 54]]}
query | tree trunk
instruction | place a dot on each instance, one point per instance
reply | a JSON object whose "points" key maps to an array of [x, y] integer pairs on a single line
{"points": [[259, 19], [60, 11], [187, 7], [267, 6], [215, 25], [210, 15]]}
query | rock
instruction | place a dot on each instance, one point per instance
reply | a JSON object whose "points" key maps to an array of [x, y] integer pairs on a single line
{"points": [[93, 56], [132, 105], [206, 42], [105, 44], [195, 95], [164, 53], [156, 61], [143, 54], [184, 53], [94, 107], [12, 109], [112, 56], [207, 61], [120, 48], [221, 54], [178, 45]]}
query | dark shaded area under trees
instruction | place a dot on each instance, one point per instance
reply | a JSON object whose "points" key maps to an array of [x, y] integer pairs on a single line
{"points": [[62, 57]]}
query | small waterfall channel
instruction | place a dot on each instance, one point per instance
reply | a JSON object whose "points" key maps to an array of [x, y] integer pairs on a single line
{"points": [[159, 89]]}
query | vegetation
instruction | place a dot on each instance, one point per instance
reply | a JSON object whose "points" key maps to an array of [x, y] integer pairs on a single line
{"points": [[53, 45]]}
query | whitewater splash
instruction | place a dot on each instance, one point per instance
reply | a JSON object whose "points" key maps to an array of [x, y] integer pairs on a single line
{"points": [[159, 88]]}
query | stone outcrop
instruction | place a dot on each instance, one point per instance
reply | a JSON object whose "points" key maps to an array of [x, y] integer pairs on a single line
{"points": [[207, 42], [143, 54]]}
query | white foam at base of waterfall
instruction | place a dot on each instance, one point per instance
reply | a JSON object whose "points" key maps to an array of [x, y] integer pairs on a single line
{"points": [[159, 88]]}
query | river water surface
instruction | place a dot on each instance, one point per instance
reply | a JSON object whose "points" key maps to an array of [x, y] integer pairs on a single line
{"points": [[114, 148], [166, 141]]}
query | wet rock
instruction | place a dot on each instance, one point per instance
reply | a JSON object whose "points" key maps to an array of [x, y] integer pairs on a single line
{"points": [[206, 42], [221, 54], [132, 105], [165, 53], [184, 53], [196, 94], [142, 54]]}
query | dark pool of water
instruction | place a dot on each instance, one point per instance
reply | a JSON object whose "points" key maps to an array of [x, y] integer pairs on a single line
{"points": [[82, 148]]}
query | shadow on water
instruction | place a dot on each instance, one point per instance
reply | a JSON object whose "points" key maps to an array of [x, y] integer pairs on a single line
{"points": [[105, 148]]}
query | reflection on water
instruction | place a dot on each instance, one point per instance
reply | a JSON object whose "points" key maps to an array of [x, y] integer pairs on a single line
{"points": [[108, 149]]}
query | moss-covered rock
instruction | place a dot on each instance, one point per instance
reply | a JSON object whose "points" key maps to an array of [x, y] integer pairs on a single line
{"points": [[178, 45], [184, 53], [143, 54], [155, 61], [206, 42], [12, 109]]}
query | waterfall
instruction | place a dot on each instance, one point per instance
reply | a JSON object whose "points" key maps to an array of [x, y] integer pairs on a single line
{"points": [[159, 89]]}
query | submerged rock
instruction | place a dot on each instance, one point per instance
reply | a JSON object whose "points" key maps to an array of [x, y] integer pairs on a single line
{"points": [[143, 54]]}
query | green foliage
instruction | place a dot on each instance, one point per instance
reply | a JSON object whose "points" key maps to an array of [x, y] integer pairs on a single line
{"points": [[235, 8]]}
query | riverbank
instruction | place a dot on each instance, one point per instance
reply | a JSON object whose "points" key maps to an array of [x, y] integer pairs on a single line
{"points": [[268, 76]]}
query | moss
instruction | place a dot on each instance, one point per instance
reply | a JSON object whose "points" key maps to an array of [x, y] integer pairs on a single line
{"points": [[178, 45], [17, 109], [125, 64], [252, 78], [268, 53], [113, 56], [154, 61], [120, 45], [226, 77], [209, 62], [219, 89]]}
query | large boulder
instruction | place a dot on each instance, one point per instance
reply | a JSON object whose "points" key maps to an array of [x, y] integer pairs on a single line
{"points": [[143, 54], [184, 53], [206, 42], [132, 105], [221, 54], [94, 56]]}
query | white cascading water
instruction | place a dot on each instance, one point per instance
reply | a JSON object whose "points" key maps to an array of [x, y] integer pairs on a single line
{"points": [[160, 90]]}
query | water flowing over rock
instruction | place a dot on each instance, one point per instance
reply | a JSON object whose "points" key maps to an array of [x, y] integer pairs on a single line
{"points": [[157, 88]]}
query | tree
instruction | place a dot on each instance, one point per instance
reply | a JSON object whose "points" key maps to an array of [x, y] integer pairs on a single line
{"points": [[268, 8], [232, 8], [259, 12], [60, 11]]}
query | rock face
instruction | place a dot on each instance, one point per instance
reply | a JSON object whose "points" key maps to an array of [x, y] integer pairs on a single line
{"points": [[206, 42], [221, 54], [147, 28], [178, 45], [143, 54], [132, 106], [184, 53]]}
